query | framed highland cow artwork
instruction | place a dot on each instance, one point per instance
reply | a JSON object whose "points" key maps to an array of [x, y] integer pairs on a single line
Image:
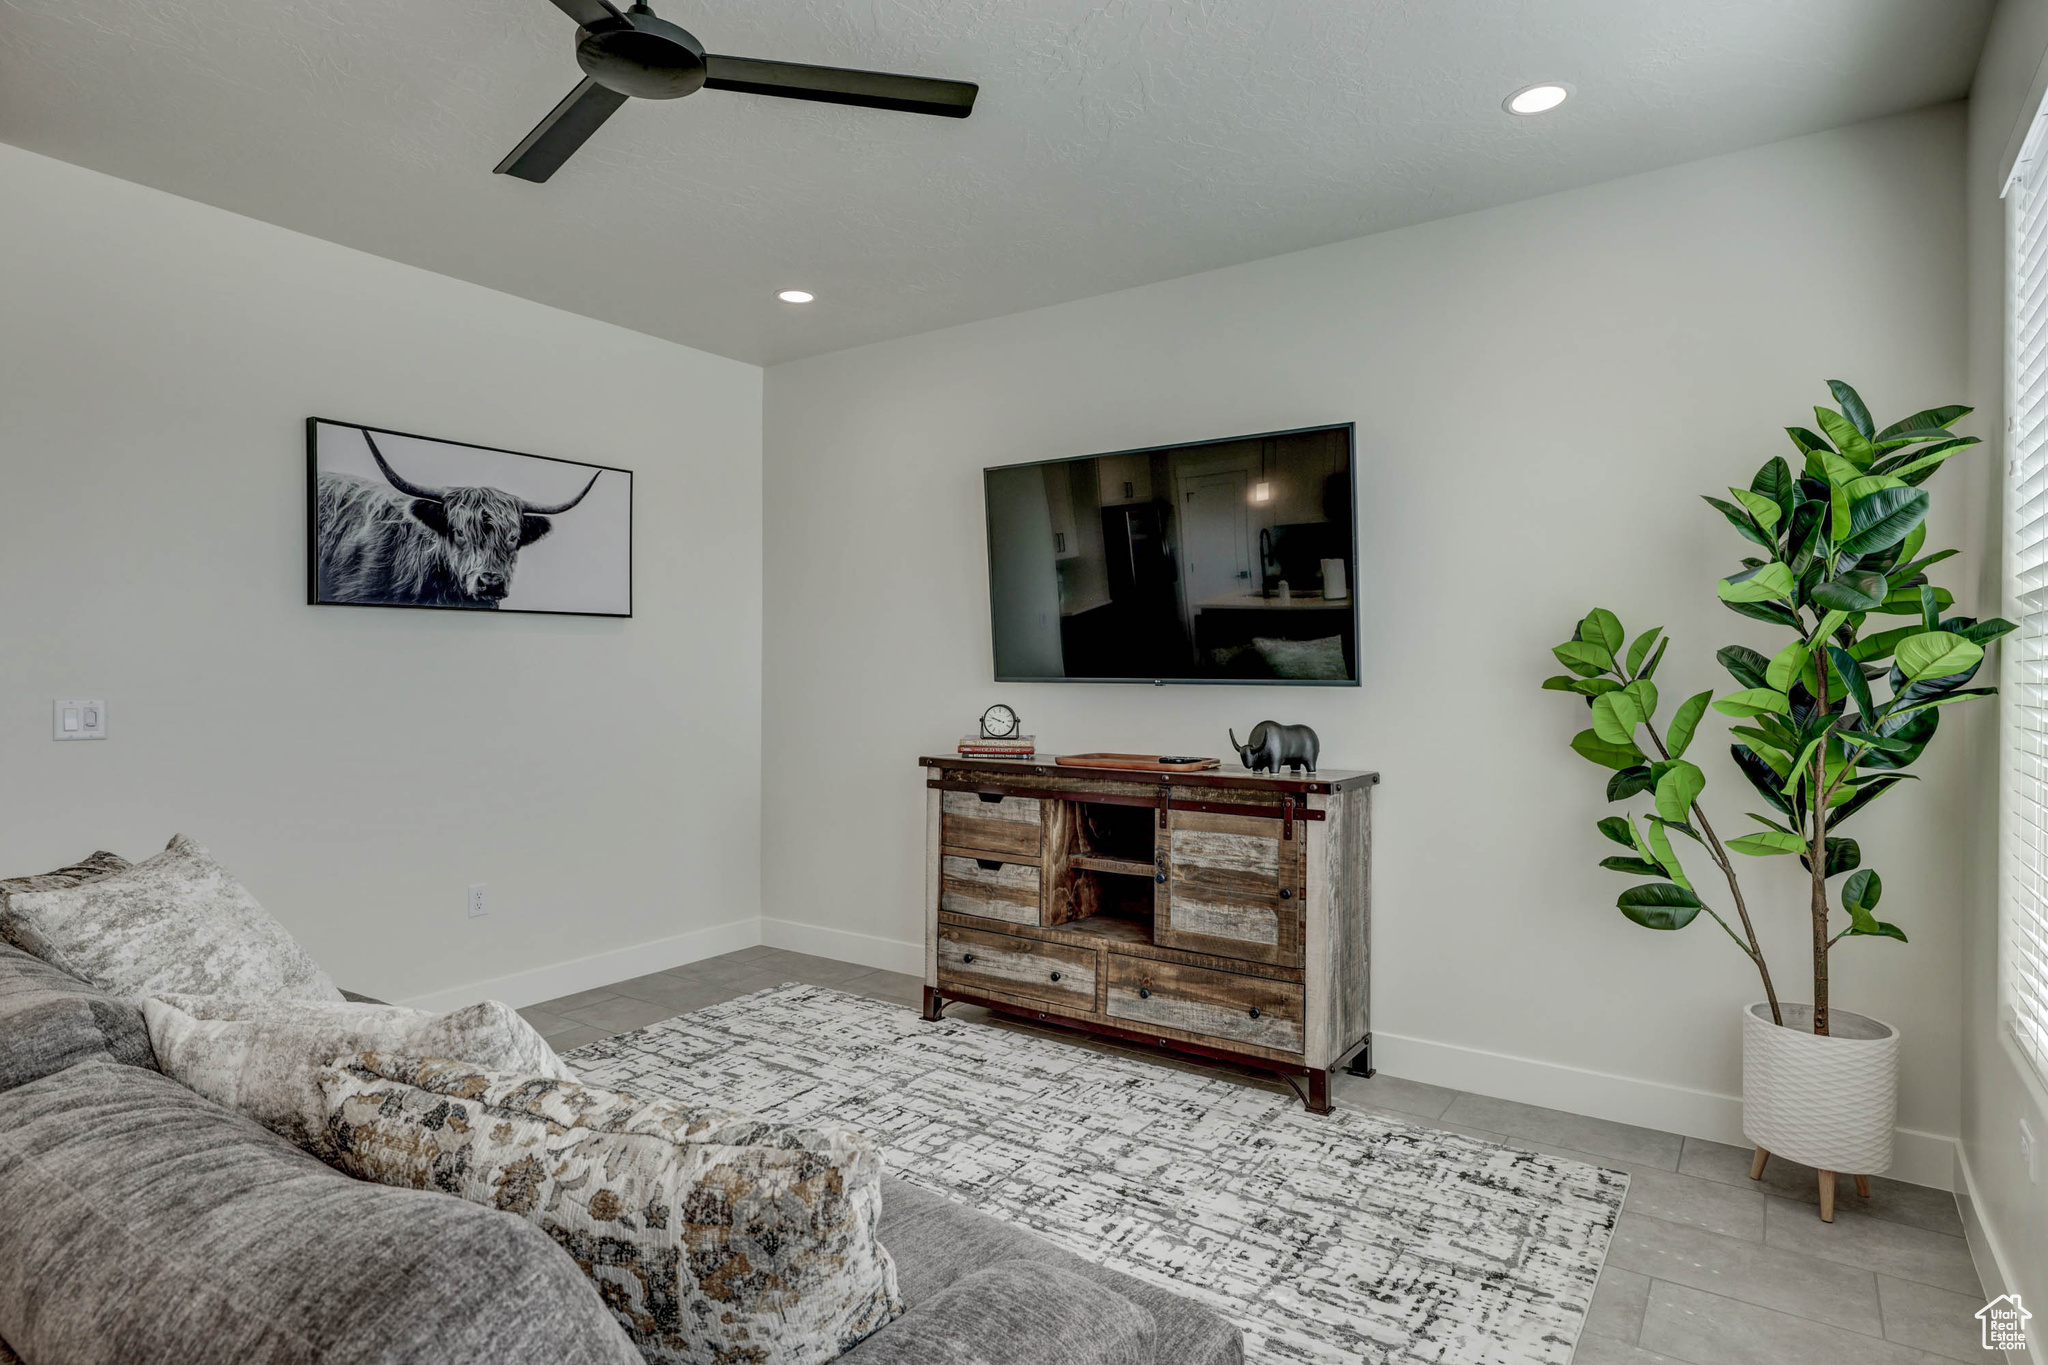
{"points": [[396, 520]]}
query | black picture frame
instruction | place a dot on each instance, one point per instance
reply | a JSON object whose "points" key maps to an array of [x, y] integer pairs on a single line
{"points": [[1350, 431], [314, 595]]}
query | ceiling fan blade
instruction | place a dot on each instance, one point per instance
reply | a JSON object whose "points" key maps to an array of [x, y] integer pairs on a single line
{"points": [[592, 14], [555, 138], [838, 85]]}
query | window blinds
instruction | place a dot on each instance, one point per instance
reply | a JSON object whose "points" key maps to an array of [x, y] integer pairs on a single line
{"points": [[2024, 947]]}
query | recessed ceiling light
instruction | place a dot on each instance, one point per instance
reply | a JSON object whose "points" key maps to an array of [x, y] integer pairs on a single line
{"points": [[796, 296], [1537, 99]]}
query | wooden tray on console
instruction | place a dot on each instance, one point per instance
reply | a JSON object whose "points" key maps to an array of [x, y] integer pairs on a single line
{"points": [[1151, 763]]}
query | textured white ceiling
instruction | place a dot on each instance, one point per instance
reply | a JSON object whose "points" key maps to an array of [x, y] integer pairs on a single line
{"points": [[1116, 141]]}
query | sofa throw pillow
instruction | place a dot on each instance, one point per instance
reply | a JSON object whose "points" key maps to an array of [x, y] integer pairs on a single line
{"points": [[89, 869], [174, 923], [264, 1057], [50, 1020], [712, 1237]]}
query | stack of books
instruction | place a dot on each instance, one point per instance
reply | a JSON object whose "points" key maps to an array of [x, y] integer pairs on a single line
{"points": [[1017, 746]]}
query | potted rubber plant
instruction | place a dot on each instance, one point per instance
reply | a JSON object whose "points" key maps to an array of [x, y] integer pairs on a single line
{"points": [[1825, 725]]}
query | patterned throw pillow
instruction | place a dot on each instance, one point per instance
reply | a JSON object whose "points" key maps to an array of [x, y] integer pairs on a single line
{"points": [[714, 1239], [175, 923], [91, 869], [264, 1057]]}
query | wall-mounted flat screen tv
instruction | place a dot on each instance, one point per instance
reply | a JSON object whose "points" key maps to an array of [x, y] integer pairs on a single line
{"points": [[1231, 561]]}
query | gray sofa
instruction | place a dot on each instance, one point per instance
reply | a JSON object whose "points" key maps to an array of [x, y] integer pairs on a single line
{"points": [[144, 1224]]}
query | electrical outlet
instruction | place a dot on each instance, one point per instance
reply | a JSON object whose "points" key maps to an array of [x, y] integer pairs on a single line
{"points": [[2030, 1153], [477, 908]]}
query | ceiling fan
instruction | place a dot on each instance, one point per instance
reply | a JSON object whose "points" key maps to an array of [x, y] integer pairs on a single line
{"points": [[633, 53]]}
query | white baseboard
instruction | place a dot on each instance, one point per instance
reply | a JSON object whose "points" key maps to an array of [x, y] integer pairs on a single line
{"points": [[883, 954], [599, 969], [1918, 1158]]}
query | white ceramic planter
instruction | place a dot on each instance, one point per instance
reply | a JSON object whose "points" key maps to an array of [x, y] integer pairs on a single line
{"points": [[1827, 1102]]}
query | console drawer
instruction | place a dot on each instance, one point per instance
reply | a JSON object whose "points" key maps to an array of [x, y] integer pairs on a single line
{"points": [[971, 960], [989, 887], [1009, 825], [1196, 1000]]}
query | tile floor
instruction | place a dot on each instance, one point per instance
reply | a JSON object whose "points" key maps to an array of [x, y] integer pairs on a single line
{"points": [[1706, 1267]]}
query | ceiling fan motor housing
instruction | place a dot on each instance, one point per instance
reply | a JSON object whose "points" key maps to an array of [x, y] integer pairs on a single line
{"points": [[650, 60]]}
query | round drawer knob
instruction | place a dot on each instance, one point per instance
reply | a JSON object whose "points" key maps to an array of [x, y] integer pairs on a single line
{"points": [[1286, 893], [1144, 992], [967, 957], [1255, 1011], [1160, 878], [1055, 976]]}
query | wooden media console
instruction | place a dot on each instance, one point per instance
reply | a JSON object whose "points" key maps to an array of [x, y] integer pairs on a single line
{"points": [[1222, 913]]}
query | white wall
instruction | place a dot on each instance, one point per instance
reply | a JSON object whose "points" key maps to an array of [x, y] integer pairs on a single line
{"points": [[2009, 1230], [1541, 393], [357, 768]]}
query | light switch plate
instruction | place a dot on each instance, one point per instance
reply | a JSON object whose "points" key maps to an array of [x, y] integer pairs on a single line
{"points": [[79, 720]]}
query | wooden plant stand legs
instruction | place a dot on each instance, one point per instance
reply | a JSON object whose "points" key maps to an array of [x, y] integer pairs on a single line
{"points": [[1827, 1185]]}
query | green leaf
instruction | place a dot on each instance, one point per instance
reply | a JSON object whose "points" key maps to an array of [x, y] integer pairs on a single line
{"points": [[1677, 788], [1904, 573], [1629, 781], [1936, 654], [1754, 701], [1641, 867], [1593, 687], [1767, 822], [1660, 847], [1766, 746], [1742, 522], [1843, 856], [1768, 844], [1563, 682], [1617, 829], [1927, 419], [1744, 665], [1906, 602], [1927, 459], [1868, 926], [1851, 442], [1659, 905], [1650, 669], [1882, 519], [1930, 608], [1863, 891], [1615, 718], [1984, 632], [1851, 674], [1645, 694], [1765, 510], [1840, 515], [1641, 647], [1853, 408], [1839, 471], [1584, 658], [1761, 775], [1591, 747], [1806, 442], [1867, 484], [1687, 719], [1852, 592], [1773, 580], [1602, 627], [1785, 666], [1774, 481], [1871, 648]]}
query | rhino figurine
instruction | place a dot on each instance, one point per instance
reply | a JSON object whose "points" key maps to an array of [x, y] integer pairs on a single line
{"points": [[1274, 746]]}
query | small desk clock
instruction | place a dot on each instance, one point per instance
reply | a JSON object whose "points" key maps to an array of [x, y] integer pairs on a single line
{"points": [[999, 722]]}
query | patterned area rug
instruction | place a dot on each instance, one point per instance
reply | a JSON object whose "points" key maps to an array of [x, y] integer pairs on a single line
{"points": [[1331, 1239]]}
